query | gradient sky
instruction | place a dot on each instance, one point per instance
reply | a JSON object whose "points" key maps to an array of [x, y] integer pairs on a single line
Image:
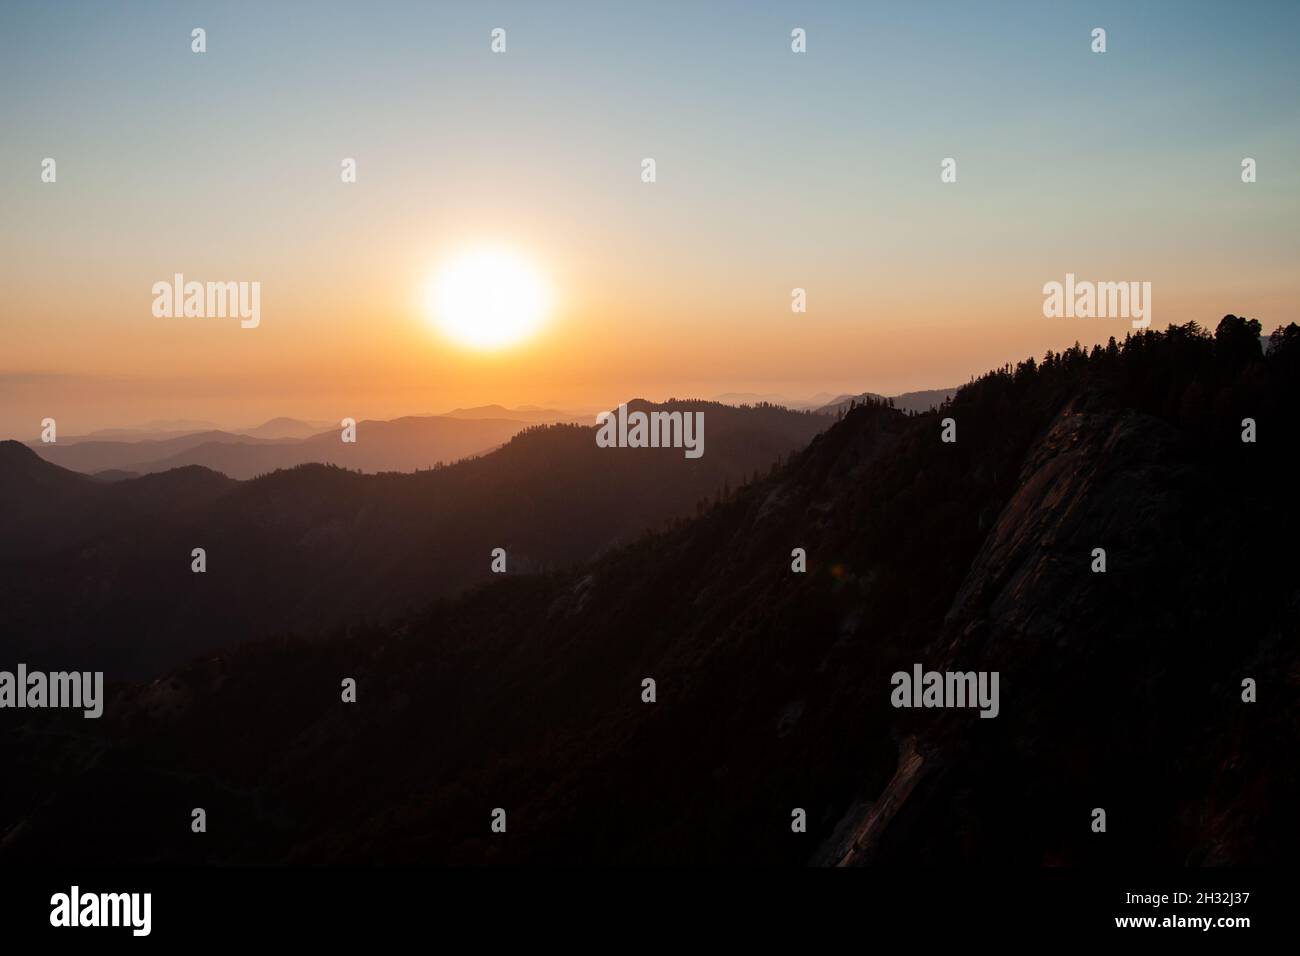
{"points": [[775, 170]]}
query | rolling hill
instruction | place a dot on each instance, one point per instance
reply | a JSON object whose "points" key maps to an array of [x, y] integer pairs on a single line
{"points": [[98, 572]]}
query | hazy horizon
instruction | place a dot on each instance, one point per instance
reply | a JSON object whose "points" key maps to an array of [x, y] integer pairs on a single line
{"points": [[191, 424]]}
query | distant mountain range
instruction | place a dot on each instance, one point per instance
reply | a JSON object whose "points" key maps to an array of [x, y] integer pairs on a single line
{"points": [[404, 444], [99, 571], [162, 431], [535, 416], [285, 428]]}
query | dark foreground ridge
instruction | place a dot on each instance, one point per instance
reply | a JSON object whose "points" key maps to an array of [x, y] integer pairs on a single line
{"points": [[1120, 690]]}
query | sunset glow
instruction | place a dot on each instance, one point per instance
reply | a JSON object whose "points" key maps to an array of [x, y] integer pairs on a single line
{"points": [[489, 298]]}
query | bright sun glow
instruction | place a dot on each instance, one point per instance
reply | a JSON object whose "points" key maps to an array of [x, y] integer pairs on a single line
{"points": [[488, 299]]}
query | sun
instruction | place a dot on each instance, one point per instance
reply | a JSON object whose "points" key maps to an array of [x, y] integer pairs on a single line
{"points": [[489, 298]]}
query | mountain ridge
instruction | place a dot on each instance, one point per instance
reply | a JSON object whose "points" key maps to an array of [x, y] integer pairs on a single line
{"points": [[318, 544]]}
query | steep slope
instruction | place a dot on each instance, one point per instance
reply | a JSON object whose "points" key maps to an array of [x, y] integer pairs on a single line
{"points": [[41, 500], [1117, 688]]}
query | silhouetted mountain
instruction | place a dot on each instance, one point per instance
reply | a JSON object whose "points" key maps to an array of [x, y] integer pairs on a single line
{"points": [[1120, 690], [534, 416], [92, 456], [132, 434], [115, 474], [754, 398], [823, 403], [98, 574], [163, 431], [285, 428], [43, 503], [150, 431], [403, 444], [922, 401]]}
